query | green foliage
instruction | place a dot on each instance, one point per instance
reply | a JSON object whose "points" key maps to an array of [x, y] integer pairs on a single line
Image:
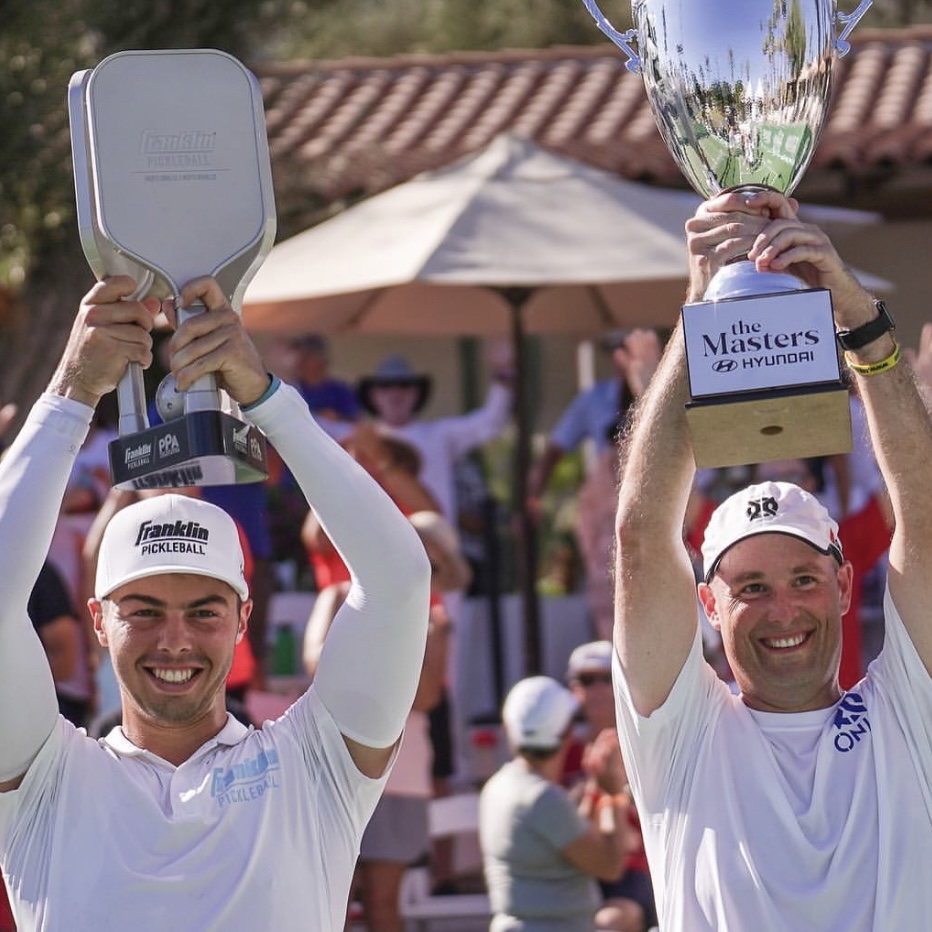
{"points": [[374, 27], [44, 42]]}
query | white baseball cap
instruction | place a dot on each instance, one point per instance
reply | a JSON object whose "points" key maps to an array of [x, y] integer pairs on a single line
{"points": [[595, 655], [170, 534], [768, 508], [537, 712]]}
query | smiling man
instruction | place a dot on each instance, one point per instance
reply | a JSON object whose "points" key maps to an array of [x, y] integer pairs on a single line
{"points": [[793, 805], [183, 818]]}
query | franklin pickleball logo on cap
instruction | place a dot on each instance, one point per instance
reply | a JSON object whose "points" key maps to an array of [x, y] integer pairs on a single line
{"points": [[180, 537]]}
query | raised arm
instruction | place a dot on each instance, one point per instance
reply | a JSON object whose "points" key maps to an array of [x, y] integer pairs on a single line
{"points": [[370, 664], [898, 418], [107, 333], [655, 593]]}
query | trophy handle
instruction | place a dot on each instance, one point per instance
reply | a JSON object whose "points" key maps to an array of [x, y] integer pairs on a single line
{"points": [[848, 21], [203, 395], [622, 39], [131, 401], [131, 389]]}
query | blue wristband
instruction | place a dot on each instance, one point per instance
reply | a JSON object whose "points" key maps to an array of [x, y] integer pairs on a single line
{"points": [[266, 395]]}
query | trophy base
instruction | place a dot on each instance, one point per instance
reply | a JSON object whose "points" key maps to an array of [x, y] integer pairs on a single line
{"points": [[199, 449], [808, 420]]}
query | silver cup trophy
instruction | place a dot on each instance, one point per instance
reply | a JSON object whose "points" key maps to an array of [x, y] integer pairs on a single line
{"points": [[740, 90], [173, 182]]}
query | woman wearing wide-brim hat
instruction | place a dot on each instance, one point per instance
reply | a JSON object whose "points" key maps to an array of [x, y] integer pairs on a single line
{"points": [[394, 372], [396, 392]]}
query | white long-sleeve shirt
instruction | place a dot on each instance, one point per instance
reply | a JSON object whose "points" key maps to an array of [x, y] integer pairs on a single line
{"points": [[258, 829]]}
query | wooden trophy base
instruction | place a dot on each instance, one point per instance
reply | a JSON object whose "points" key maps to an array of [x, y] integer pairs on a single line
{"points": [[730, 430]]}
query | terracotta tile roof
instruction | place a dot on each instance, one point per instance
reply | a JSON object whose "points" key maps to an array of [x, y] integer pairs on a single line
{"points": [[340, 129]]}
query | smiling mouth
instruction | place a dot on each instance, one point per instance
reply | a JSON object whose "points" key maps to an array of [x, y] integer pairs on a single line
{"points": [[785, 643], [172, 676]]}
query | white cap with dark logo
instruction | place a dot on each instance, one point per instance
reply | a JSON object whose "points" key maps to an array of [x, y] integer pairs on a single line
{"points": [[768, 508], [590, 657], [170, 534], [537, 712]]}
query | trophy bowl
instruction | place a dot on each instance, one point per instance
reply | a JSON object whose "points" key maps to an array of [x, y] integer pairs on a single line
{"points": [[740, 91]]}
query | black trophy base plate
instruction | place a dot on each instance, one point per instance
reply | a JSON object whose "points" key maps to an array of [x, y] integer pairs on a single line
{"points": [[198, 449]]}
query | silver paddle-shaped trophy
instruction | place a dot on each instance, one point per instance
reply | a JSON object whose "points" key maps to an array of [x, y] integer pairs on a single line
{"points": [[173, 182], [740, 91]]}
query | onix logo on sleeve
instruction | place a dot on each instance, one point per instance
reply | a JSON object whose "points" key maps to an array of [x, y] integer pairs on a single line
{"points": [[851, 722]]}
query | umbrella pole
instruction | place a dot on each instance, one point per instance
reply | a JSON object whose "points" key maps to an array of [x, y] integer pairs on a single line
{"points": [[517, 298]]}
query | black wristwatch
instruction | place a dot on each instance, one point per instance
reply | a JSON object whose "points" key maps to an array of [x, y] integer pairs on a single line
{"points": [[867, 333]]}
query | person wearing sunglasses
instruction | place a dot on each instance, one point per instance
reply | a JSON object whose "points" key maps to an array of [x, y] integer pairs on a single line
{"points": [[629, 900]]}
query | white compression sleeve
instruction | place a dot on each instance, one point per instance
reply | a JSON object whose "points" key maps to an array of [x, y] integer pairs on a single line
{"points": [[371, 660], [33, 476]]}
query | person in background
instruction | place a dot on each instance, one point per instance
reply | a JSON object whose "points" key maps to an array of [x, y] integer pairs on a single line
{"points": [[395, 465], [329, 398], [542, 850], [793, 804], [54, 618], [394, 394], [589, 677], [305, 362], [599, 413], [635, 354]]}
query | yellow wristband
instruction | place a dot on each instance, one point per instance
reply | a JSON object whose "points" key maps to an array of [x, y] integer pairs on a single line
{"points": [[875, 367]]}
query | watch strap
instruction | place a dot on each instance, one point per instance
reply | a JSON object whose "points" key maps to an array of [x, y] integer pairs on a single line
{"points": [[867, 333]]}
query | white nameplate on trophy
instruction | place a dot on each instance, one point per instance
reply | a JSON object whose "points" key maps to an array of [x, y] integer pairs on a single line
{"points": [[760, 342], [764, 379]]}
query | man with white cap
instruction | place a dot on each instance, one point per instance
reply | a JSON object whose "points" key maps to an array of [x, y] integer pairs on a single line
{"points": [[542, 851], [183, 818], [792, 805]]}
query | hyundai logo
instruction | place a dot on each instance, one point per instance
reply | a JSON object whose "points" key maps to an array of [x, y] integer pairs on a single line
{"points": [[724, 365]]}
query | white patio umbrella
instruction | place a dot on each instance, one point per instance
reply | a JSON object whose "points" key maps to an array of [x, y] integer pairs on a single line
{"points": [[512, 239], [431, 256]]}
